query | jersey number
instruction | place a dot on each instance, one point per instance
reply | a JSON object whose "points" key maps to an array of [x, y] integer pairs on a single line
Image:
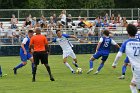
{"points": [[106, 44], [136, 51]]}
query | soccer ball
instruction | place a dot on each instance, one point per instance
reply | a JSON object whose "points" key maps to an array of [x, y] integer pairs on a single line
{"points": [[79, 70]]}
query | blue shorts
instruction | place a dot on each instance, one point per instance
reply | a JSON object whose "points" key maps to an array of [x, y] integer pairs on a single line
{"points": [[99, 54], [126, 60], [24, 57]]}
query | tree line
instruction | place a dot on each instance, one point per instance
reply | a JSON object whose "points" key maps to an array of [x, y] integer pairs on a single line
{"points": [[67, 4]]}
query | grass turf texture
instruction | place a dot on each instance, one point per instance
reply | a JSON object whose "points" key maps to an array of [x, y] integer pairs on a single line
{"points": [[65, 82]]}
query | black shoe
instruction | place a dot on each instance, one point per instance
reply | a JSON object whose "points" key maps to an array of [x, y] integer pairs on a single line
{"points": [[15, 71], [75, 64], [52, 79], [33, 80]]}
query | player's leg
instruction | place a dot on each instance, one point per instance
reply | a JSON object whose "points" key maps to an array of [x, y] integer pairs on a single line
{"points": [[104, 58], [30, 57], [23, 63], [65, 55], [36, 58], [0, 71], [44, 60], [72, 54], [91, 61], [133, 85], [124, 67]]}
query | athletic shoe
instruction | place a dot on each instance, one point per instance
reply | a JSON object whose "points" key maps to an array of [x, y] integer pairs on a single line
{"points": [[15, 71], [122, 77], [75, 64], [33, 79], [91, 69], [73, 72], [96, 72], [52, 79]]}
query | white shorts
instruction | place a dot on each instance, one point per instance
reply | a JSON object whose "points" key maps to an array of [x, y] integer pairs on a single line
{"points": [[136, 76], [69, 53]]}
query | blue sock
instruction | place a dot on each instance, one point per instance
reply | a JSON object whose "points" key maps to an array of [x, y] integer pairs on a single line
{"points": [[91, 64], [19, 66], [0, 71], [123, 69], [100, 67], [32, 67]]}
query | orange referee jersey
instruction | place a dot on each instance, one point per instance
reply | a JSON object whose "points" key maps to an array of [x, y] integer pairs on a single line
{"points": [[39, 42]]}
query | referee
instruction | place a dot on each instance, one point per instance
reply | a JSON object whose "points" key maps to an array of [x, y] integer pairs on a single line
{"points": [[39, 47]]}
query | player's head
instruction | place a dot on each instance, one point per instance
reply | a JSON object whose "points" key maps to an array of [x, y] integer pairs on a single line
{"points": [[38, 31], [58, 32], [30, 33], [131, 30], [106, 32]]}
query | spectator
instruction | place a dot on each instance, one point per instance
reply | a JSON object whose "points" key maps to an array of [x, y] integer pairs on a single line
{"points": [[69, 20], [27, 23], [87, 23], [124, 22], [43, 22], [30, 17], [33, 22], [55, 18], [14, 22], [106, 17], [112, 18], [63, 17], [119, 18], [81, 24]]}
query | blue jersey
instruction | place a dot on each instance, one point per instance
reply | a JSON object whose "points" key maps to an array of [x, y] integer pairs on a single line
{"points": [[106, 43], [26, 42]]}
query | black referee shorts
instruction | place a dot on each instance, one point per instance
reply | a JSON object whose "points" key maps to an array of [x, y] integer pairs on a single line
{"points": [[41, 55]]}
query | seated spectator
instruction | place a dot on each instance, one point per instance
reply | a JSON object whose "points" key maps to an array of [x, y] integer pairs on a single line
{"points": [[105, 24], [27, 23], [63, 17], [30, 17], [14, 22], [119, 18], [33, 22], [43, 22], [2, 32], [87, 23], [55, 18], [124, 22], [81, 24], [112, 17], [69, 20]]}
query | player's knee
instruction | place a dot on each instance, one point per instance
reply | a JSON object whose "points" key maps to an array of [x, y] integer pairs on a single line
{"points": [[24, 63], [125, 64]]}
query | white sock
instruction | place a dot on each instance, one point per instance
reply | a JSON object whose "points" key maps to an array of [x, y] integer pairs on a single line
{"points": [[133, 89], [67, 64]]}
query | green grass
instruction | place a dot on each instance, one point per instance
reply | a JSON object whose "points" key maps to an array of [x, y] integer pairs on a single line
{"points": [[66, 82]]}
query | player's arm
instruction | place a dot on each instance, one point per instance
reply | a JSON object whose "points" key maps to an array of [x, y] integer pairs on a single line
{"points": [[119, 54], [31, 46], [99, 43], [114, 43], [22, 45], [73, 36], [46, 45]]}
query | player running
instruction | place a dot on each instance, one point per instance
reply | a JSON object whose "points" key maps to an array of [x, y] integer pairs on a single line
{"points": [[126, 61], [132, 49], [67, 48], [24, 52], [102, 50]]}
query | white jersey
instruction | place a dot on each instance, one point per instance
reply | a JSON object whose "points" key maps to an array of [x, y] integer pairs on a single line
{"points": [[64, 42], [132, 49], [63, 18]]}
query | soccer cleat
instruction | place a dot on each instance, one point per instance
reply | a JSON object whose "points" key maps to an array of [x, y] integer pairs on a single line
{"points": [[75, 64], [73, 72], [122, 77], [52, 79], [96, 72], [15, 71], [91, 69]]}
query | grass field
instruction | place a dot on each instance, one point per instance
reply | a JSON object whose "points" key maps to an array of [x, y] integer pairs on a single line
{"points": [[65, 82]]}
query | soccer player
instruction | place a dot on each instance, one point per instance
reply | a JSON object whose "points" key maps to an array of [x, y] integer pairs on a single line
{"points": [[0, 71], [24, 52], [126, 61], [67, 48], [39, 45], [132, 49], [102, 50]]}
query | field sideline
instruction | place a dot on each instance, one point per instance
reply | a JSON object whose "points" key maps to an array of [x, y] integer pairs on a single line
{"points": [[66, 82]]}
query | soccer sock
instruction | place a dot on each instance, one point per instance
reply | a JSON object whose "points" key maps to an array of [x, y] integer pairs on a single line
{"points": [[0, 72], [123, 69], [34, 72], [67, 64], [91, 64], [133, 89], [49, 70], [76, 65], [19, 66], [101, 66], [32, 67]]}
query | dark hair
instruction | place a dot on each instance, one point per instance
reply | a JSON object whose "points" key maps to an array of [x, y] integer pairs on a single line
{"points": [[57, 31], [30, 31], [131, 29], [106, 32]]}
